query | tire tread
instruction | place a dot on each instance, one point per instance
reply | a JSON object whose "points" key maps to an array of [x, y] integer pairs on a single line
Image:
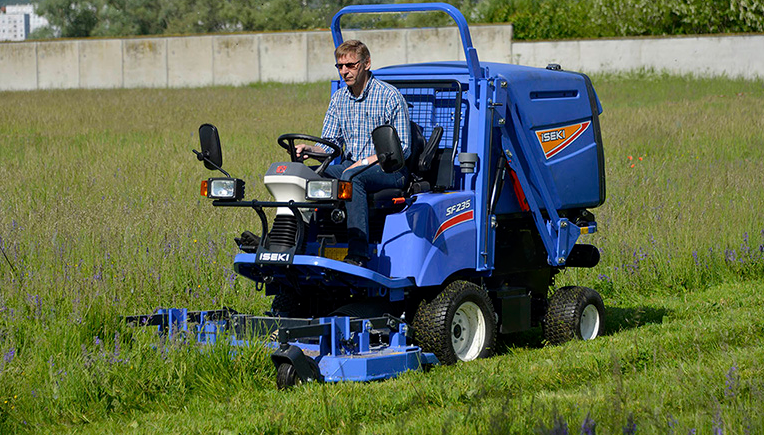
{"points": [[430, 323], [561, 322]]}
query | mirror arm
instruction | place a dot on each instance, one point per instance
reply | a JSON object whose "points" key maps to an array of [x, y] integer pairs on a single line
{"points": [[203, 158]]}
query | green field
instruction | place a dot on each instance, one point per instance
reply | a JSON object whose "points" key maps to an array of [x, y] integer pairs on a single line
{"points": [[100, 216]]}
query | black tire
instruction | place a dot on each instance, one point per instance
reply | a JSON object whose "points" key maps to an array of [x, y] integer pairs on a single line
{"points": [[286, 376], [574, 313], [286, 305], [440, 325]]}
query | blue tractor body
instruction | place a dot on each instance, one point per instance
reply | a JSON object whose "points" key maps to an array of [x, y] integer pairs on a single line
{"points": [[510, 161]]}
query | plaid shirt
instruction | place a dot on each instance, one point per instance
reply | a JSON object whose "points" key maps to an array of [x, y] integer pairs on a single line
{"points": [[349, 120]]}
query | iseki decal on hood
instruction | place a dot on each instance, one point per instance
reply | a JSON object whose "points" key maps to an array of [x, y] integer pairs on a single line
{"points": [[557, 139]]}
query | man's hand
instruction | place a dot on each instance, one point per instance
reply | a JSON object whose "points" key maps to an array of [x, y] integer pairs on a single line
{"points": [[300, 147], [371, 159]]}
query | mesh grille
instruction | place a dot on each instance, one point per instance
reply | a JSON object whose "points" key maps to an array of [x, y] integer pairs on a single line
{"points": [[437, 104]]}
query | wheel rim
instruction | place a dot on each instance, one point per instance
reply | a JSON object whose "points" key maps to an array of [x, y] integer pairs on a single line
{"points": [[590, 322], [468, 331]]}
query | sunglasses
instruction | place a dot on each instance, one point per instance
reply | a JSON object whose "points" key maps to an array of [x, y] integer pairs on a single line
{"points": [[349, 65]]}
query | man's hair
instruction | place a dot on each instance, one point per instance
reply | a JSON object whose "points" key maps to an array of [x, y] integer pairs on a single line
{"points": [[353, 46]]}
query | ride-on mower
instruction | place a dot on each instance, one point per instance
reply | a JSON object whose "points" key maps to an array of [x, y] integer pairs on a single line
{"points": [[505, 162]]}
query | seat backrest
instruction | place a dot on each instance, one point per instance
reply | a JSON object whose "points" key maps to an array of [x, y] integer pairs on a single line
{"points": [[416, 147], [428, 153]]}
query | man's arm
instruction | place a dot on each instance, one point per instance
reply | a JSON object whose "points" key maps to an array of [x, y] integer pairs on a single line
{"points": [[332, 130]]}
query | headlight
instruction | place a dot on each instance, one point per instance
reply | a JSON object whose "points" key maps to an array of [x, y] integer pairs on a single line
{"points": [[319, 189], [223, 188], [328, 189]]}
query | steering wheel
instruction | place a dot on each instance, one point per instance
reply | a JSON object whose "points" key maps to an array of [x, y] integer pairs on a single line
{"points": [[287, 141]]}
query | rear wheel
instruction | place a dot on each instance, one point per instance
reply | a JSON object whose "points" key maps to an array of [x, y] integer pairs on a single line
{"points": [[458, 325], [574, 313]]}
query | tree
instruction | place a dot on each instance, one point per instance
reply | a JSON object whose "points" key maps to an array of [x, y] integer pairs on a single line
{"points": [[75, 18]]}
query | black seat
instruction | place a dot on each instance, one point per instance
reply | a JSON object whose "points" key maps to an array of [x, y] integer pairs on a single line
{"points": [[418, 164]]}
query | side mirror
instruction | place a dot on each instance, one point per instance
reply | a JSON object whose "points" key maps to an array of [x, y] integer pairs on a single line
{"points": [[388, 147], [211, 153]]}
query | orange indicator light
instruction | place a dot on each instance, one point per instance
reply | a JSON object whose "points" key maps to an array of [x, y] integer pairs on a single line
{"points": [[344, 190]]}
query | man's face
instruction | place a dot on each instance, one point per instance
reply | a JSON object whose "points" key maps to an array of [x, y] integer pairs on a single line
{"points": [[352, 69]]}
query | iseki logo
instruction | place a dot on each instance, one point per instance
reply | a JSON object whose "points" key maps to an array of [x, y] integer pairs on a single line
{"points": [[274, 256], [555, 140], [552, 135]]}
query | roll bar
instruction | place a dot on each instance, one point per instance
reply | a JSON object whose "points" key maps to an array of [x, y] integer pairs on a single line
{"points": [[469, 51]]}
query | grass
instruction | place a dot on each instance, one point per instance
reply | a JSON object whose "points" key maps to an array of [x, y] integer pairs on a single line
{"points": [[100, 217]]}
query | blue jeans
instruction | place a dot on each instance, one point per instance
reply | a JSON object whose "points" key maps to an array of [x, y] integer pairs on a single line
{"points": [[371, 180]]}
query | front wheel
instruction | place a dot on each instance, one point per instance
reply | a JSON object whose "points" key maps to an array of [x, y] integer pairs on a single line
{"points": [[574, 313], [286, 376], [458, 325], [287, 304]]}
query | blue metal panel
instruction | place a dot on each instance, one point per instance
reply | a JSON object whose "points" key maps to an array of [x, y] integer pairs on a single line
{"points": [[382, 365], [437, 234], [315, 268], [543, 100], [456, 70]]}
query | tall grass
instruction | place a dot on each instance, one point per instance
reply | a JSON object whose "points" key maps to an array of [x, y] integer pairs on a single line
{"points": [[100, 217], [684, 158]]}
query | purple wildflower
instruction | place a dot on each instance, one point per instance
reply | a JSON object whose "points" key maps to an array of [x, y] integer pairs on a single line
{"points": [[671, 424], [730, 255], [8, 357], [35, 301], [718, 423], [115, 358], [695, 257], [604, 277], [560, 427], [732, 382], [631, 426], [588, 426]]}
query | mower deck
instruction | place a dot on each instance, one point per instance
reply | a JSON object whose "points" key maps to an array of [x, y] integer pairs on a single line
{"points": [[329, 349]]}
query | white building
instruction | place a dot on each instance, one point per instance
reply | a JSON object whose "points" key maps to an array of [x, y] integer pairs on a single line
{"points": [[18, 21]]}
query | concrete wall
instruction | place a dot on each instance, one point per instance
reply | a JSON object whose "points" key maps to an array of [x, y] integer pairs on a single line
{"points": [[225, 59], [733, 56], [307, 56]]}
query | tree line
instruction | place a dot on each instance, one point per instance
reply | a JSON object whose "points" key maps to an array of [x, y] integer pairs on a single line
{"points": [[532, 19]]}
